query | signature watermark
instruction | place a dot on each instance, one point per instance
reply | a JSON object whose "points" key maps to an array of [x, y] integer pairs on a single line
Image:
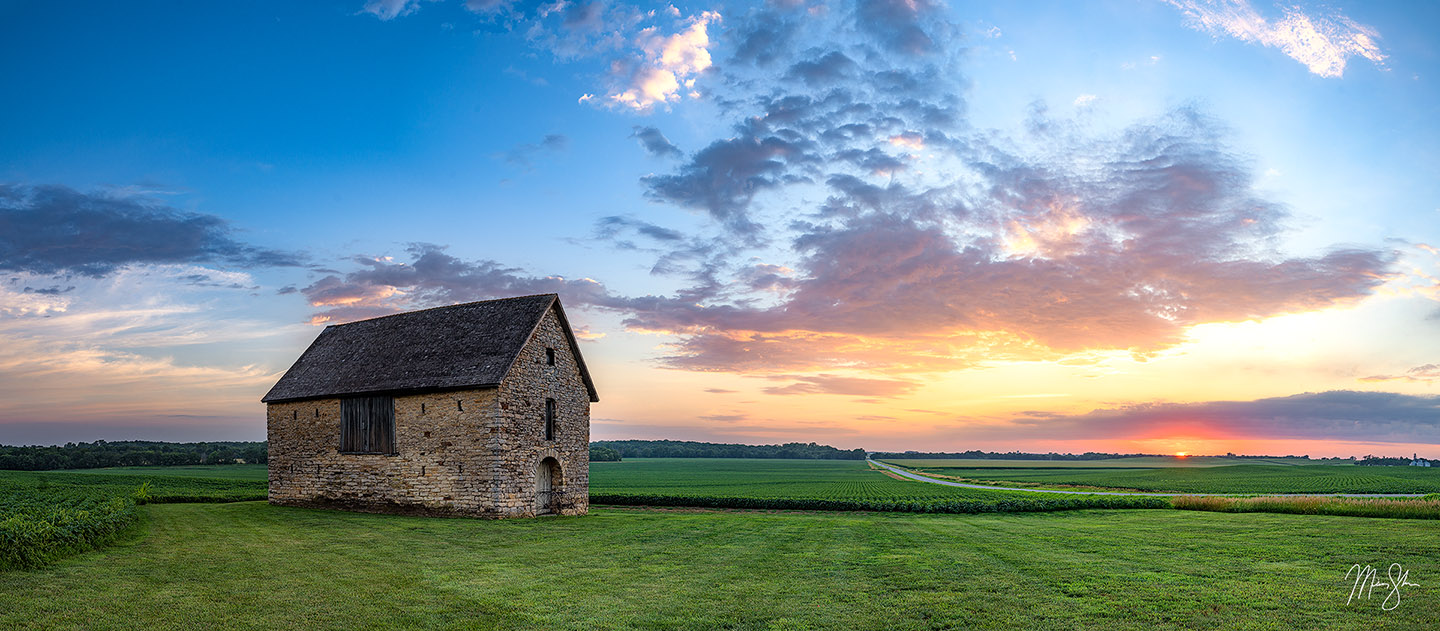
{"points": [[1367, 580]]}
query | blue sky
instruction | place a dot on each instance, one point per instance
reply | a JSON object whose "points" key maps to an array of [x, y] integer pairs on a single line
{"points": [[871, 224]]}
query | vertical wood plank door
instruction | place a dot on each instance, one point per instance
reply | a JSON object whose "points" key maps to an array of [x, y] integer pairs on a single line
{"points": [[544, 501]]}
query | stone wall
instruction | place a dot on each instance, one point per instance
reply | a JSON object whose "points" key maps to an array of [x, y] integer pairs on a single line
{"points": [[439, 466], [522, 419], [465, 452]]}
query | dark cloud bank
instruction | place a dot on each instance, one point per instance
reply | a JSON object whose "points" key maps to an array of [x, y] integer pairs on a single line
{"points": [[58, 230]]}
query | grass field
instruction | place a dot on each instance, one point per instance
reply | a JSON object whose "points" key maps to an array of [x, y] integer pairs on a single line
{"points": [[254, 566], [1248, 478]]}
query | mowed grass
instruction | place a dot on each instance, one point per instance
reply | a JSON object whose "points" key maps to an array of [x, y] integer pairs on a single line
{"points": [[254, 566], [1248, 478]]}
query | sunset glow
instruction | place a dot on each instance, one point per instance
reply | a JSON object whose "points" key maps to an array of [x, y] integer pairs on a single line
{"points": [[888, 225]]}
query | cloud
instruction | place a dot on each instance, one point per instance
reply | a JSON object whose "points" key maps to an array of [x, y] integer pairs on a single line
{"points": [[654, 142], [830, 68], [857, 386], [761, 38], [383, 286], [524, 154], [898, 25], [859, 223], [126, 350], [1427, 373], [1336, 415], [668, 65], [55, 230], [611, 227], [1121, 241], [722, 178], [391, 9], [1085, 100], [1323, 43]]}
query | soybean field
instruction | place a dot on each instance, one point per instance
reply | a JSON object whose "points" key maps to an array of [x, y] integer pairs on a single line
{"points": [[1245, 478], [811, 485]]}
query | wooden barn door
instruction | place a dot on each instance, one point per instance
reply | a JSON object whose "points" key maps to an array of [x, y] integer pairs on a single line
{"points": [[544, 487]]}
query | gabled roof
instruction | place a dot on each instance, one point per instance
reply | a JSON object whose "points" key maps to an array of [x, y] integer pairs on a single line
{"points": [[470, 345]]}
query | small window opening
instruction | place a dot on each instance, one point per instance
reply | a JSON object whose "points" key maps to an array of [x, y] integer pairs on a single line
{"points": [[294, 414], [458, 405], [549, 419], [550, 356], [422, 408]]}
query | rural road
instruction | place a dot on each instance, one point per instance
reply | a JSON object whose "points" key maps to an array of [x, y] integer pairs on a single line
{"points": [[921, 478]]}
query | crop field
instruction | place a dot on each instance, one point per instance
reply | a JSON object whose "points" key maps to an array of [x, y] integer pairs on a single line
{"points": [[1249, 478], [810, 484], [223, 472], [1142, 462]]}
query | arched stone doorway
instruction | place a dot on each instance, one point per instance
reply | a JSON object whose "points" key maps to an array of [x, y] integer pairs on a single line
{"points": [[548, 483]]}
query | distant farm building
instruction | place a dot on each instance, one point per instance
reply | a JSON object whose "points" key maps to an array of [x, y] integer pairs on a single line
{"points": [[1417, 461], [479, 409]]}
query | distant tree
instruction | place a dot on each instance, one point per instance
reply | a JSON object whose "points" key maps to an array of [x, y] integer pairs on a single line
{"points": [[691, 449], [601, 453], [127, 453]]}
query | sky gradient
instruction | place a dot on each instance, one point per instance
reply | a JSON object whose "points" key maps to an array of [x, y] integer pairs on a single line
{"points": [[1135, 226]]}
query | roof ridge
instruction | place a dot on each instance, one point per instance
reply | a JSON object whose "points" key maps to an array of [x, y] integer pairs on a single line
{"points": [[458, 304]]}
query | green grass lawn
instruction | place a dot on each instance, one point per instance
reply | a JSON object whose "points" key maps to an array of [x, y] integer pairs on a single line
{"points": [[253, 566], [1249, 478]]}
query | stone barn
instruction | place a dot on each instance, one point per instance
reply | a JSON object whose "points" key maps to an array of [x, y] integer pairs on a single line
{"points": [[478, 409]]}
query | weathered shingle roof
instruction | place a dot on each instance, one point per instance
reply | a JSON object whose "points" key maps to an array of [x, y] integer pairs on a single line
{"points": [[461, 346]]}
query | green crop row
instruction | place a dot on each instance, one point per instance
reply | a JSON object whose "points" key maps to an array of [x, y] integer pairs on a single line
{"points": [[1222, 479], [51, 515], [36, 529], [966, 506]]}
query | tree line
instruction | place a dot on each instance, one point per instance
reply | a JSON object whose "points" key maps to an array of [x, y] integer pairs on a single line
{"points": [[129, 453], [690, 449], [141, 453], [1008, 455]]}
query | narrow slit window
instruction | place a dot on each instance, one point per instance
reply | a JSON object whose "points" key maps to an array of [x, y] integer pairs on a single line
{"points": [[549, 419], [367, 425], [550, 357]]}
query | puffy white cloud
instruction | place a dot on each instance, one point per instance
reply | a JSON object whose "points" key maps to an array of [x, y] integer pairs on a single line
{"points": [[670, 64]]}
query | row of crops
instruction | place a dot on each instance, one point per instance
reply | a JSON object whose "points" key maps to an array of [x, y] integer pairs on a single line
{"points": [[1224, 479], [812, 485], [47, 516]]}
